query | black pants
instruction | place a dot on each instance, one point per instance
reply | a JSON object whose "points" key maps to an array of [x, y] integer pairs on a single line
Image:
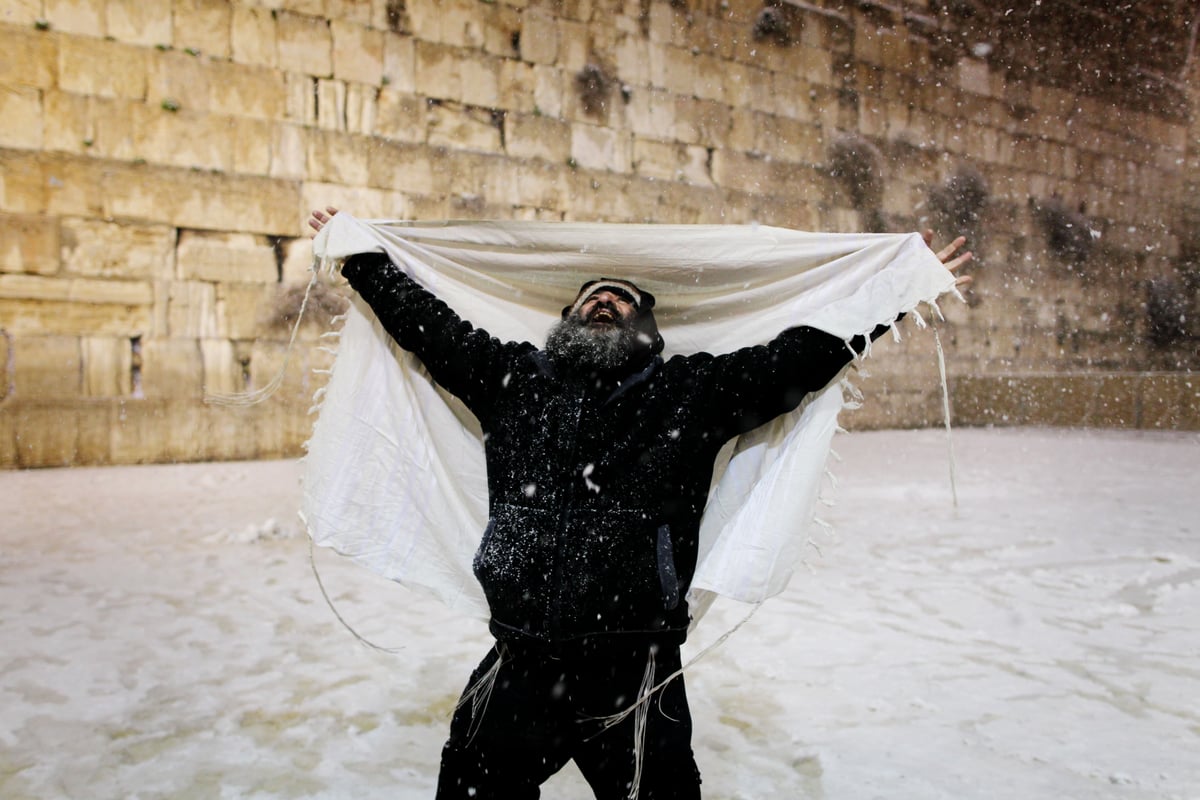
{"points": [[543, 710]]}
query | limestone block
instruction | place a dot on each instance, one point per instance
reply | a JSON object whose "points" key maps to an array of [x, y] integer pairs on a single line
{"points": [[548, 90], [331, 105], [102, 249], [184, 139], [297, 261], [225, 257], [76, 290], [46, 366], [362, 108], [399, 64], [201, 200], [538, 184], [402, 167], [632, 54], [192, 310], [481, 82], [176, 78], [21, 12], [223, 373], [171, 368], [534, 136], [703, 122], [651, 113], [305, 44], [313, 8], [671, 161], [794, 96], [23, 186], [357, 52], [673, 69], [45, 434], [338, 158], [243, 310], [360, 12], [401, 117], [246, 91], [112, 126], [463, 128], [501, 27], [289, 151], [539, 37], [106, 366], [28, 57], [253, 36], [301, 100], [29, 244], [203, 25], [83, 17], [787, 139], [138, 22], [594, 147], [102, 68], [576, 45], [66, 125], [253, 141], [363, 202], [437, 71]]}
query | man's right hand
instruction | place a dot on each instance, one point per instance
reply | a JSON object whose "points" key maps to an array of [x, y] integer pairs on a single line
{"points": [[320, 218]]}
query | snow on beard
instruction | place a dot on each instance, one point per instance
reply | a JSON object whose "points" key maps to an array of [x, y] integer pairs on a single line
{"points": [[575, 344]]}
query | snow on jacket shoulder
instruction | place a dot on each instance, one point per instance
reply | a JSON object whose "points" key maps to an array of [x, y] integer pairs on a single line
{"points": [[596, 483]]}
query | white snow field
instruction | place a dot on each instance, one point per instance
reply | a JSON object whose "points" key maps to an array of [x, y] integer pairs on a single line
{"points": [[162, 636]]}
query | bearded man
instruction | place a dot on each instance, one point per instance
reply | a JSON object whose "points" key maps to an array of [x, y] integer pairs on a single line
{"points": [[600, 457]]}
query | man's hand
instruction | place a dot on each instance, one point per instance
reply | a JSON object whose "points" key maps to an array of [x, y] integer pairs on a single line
{"points": [[320, 218], [947, 257]]}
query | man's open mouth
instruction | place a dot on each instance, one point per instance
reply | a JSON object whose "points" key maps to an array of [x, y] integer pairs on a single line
{"points": [[604, 316]]}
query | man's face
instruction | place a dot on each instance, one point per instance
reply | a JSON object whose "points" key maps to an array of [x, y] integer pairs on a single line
{"points": [[607, 309]]}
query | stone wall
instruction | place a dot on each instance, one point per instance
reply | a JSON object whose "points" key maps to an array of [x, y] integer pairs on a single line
{"points": [[158, 158]]}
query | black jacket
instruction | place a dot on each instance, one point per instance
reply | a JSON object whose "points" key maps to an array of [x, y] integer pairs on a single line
{"points": [[596, 483]]}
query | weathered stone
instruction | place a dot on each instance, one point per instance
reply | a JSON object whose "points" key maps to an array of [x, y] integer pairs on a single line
{"points": [[202, 26], [357, 52], [101, 68], [137, 22], [539, 37], [595, 147], [192, 310], [46, 366], [27, 57], [253, 36], [83, 17], [171, 368], [225, 257], [338, 158], [408, 168], [29, 243], [99, 249], [244, 310], [305, 44], [465, 128], [106, 365], [535, 136]]}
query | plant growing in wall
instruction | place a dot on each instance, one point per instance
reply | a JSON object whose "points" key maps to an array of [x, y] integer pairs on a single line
{"points": [[857, 166], [1069, 233], [594, 86]]}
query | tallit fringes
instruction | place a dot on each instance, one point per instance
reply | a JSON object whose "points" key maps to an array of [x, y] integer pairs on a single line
{"points": [[941, 357], [246, 399]]}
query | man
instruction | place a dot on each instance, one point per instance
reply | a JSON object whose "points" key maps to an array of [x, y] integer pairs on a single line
{"points": [[600, 456]]}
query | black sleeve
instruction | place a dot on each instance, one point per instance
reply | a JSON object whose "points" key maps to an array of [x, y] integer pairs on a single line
{"points": [[753, 385], [465, 360]]}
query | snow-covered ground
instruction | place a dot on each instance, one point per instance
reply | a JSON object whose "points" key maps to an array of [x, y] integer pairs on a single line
{"points": [[162, 636]]}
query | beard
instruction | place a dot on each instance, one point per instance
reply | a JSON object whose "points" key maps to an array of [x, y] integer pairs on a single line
{"points": [[579, 347]]}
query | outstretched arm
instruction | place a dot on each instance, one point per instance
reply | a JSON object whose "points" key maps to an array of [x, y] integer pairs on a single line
{"points": [[756, 384], [463, 359]]}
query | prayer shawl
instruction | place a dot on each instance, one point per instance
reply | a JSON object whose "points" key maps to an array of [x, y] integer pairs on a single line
{"points": [[394, 476]]}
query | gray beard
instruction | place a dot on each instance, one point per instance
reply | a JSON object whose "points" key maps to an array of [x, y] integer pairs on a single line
{"points": [[574, 345]]}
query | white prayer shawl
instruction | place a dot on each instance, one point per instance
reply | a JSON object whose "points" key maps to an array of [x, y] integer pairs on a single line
{"points": [[395, 476]]}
